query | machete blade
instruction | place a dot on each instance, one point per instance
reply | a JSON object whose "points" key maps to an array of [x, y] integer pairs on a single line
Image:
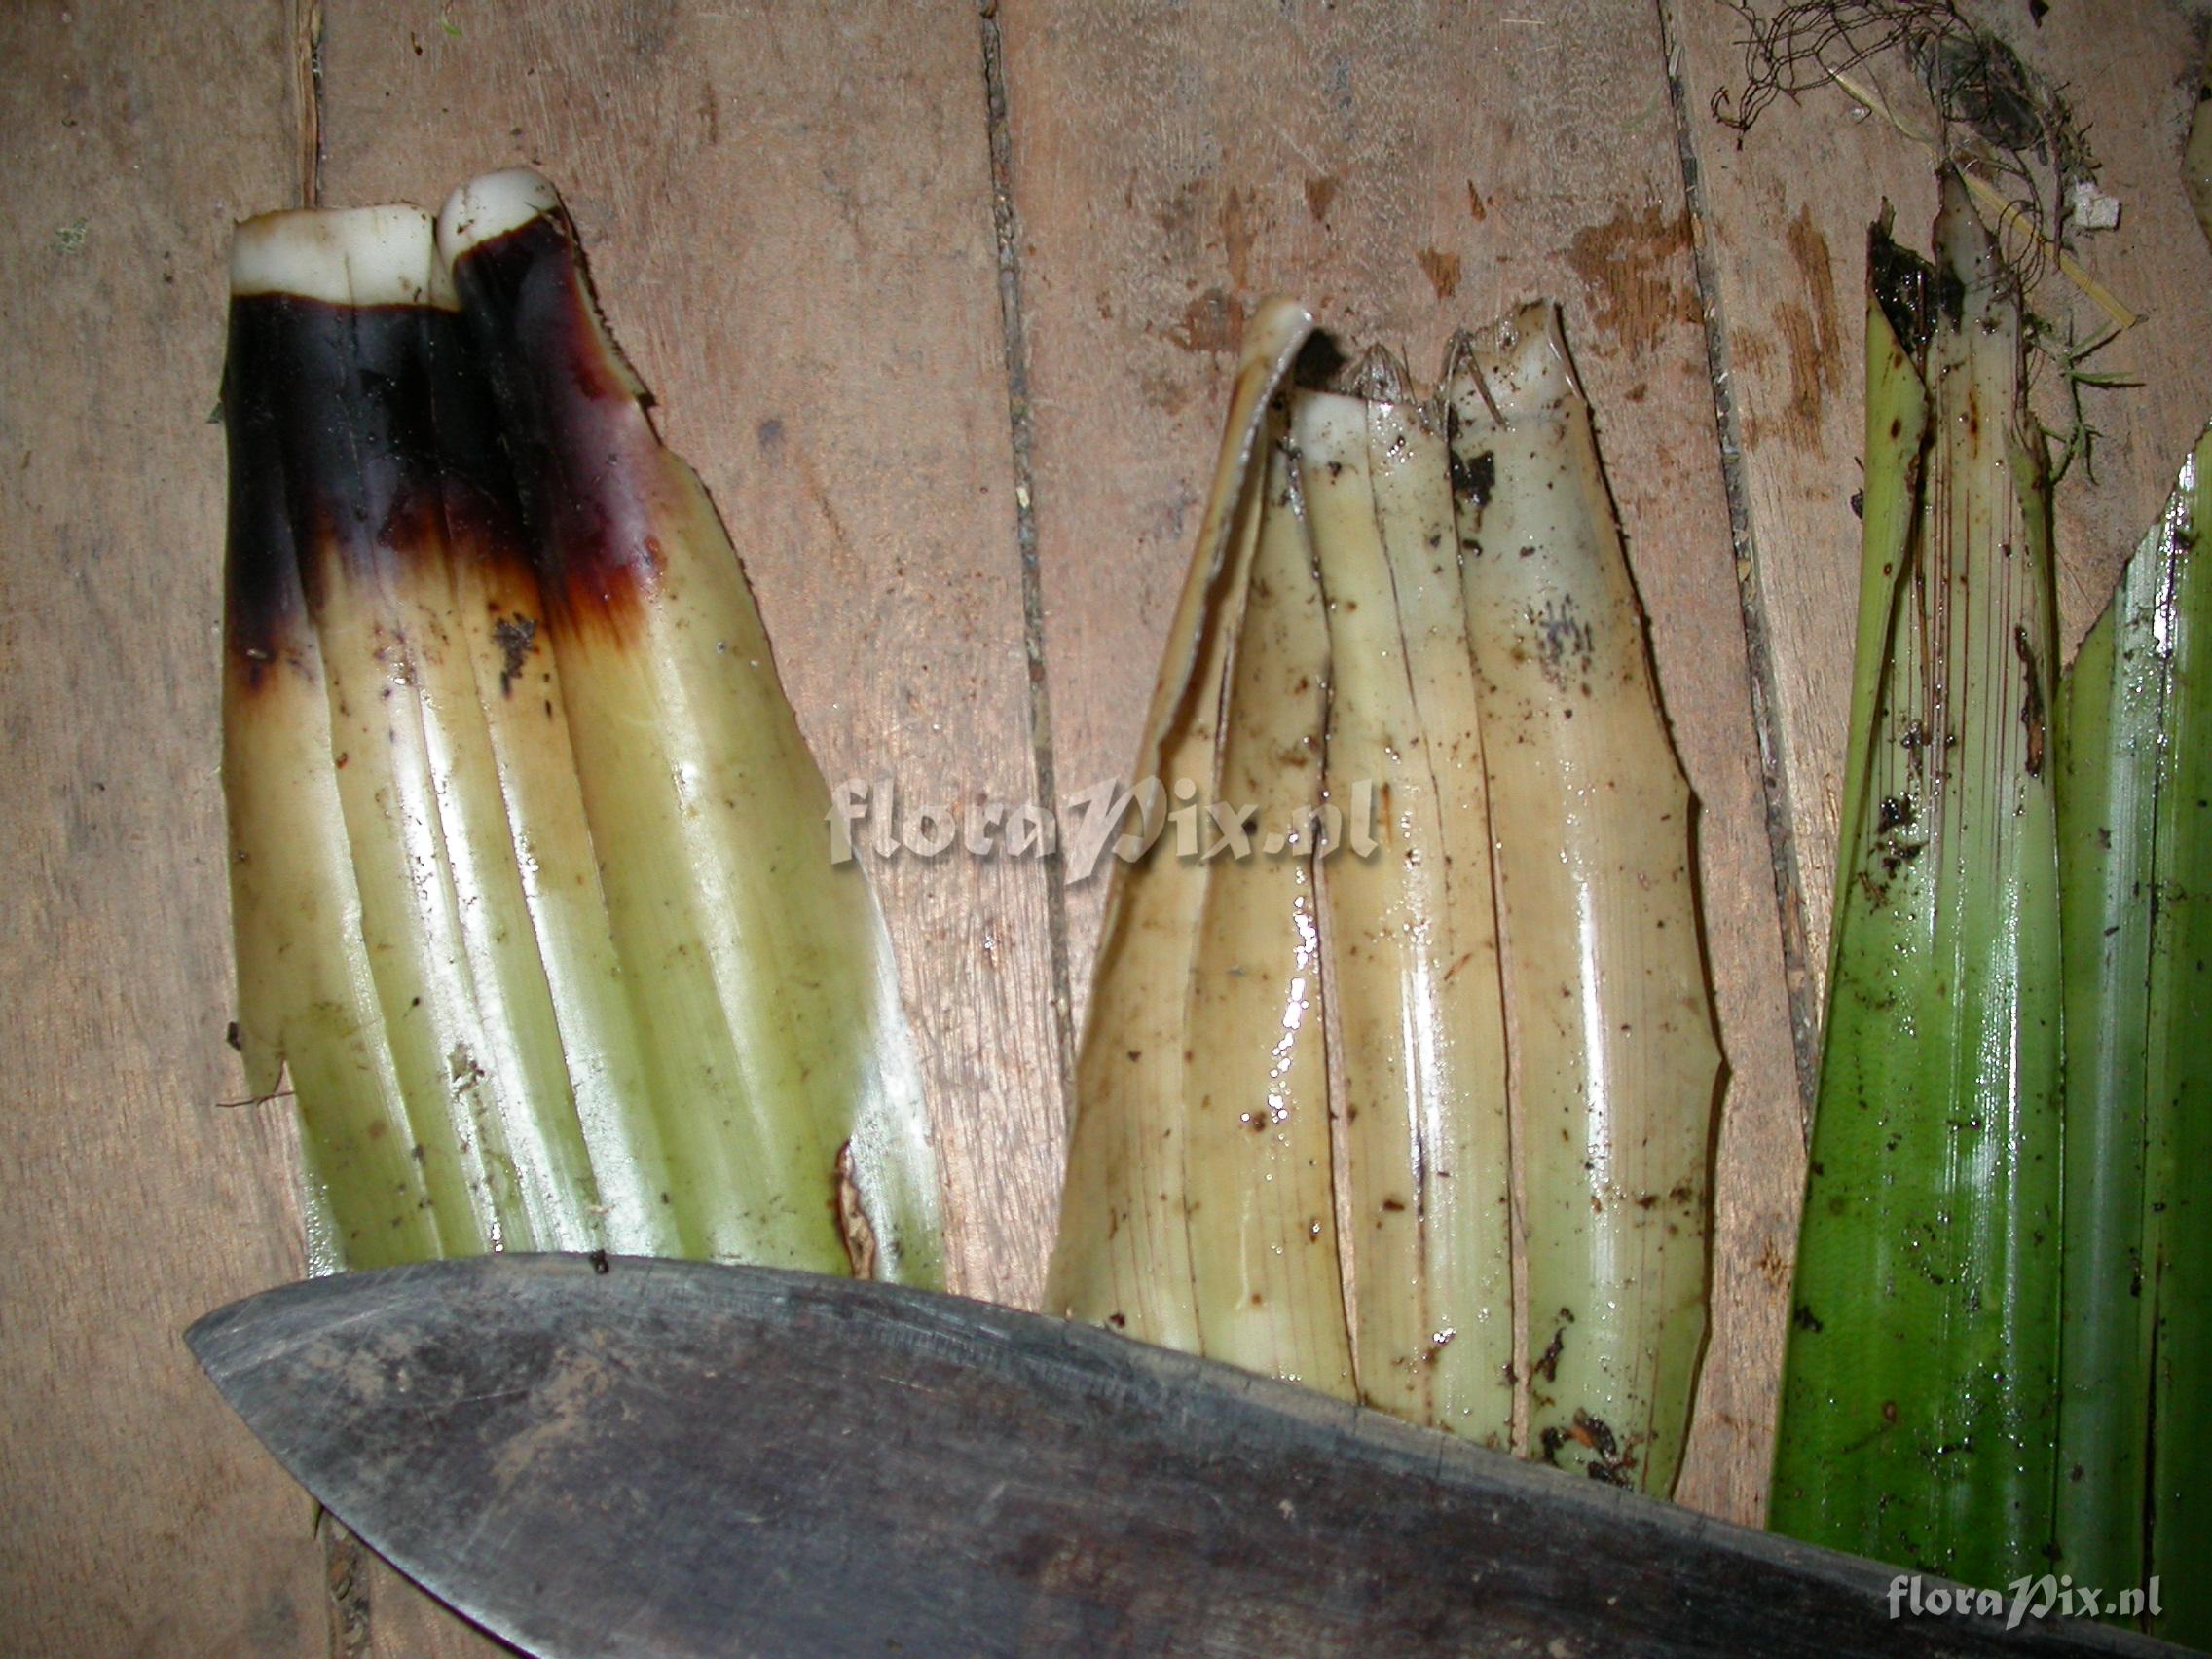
{"points": [[669, 1459]]}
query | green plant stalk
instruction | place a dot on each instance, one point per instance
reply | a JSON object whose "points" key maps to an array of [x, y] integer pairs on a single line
{"points": [[1464, 1115], [2106, 791], [1917, 1417], [533, 873], [2135, 866], [2177, 1138], [534, 904]]}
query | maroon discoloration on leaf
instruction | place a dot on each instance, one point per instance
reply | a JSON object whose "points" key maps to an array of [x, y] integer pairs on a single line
{"points": [[361, 440], [595, 484]]}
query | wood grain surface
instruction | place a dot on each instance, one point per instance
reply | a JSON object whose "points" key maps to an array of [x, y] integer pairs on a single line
{"points": [[139, 1517], [942, 305]]}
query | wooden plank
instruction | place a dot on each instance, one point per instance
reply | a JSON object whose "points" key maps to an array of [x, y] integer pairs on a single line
{"points": [[141, 1517], [1405, 169], [1786, 217]]}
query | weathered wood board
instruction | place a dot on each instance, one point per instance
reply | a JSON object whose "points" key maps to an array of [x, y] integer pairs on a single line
{"points": [[139, 1516]]}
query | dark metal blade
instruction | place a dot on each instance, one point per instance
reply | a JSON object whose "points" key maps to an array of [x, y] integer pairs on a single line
{"points": [[673, 1460]]}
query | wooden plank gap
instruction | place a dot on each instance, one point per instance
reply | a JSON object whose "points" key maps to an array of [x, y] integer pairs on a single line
{"points": [[1022, 431], [348, 1599], [304, 30], [1774, 775]]}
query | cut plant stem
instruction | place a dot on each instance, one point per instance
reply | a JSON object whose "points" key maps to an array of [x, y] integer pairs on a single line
{"points": [[385, 951], [2135, 869], [1615, 1063], [759, 973], [308, 997], [1124, 1259], [1258, 1185], [1412, 967], [1917, 1415], [1451, 873], [561, 925], [430, 931]]}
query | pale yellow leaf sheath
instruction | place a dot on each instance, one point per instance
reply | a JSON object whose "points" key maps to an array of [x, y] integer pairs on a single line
{"points": [[532, 874], [759, 973], [1258, 1182], [307, 1000], [385, 952], [1123, 1259], [1615, 1063], [441, 908], [1413, 963]]}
